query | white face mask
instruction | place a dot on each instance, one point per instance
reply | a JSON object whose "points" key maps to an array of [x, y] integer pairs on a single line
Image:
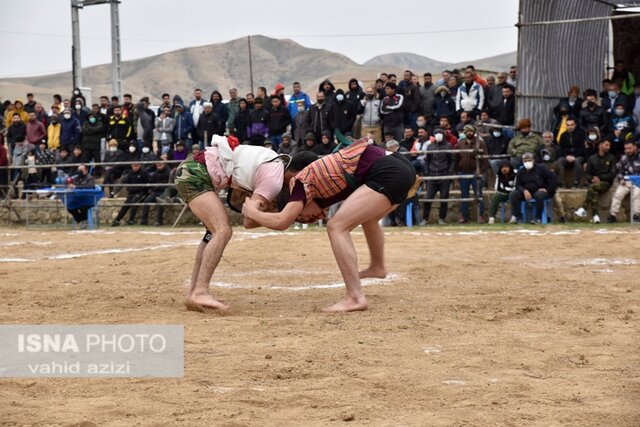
{"points": [[546, 158], [421, 123], [132, 149], [496, 134], [593, 137], [113, 149], [145, 150], [339, 97], [300, 109], [67, 116], [528, 165], [439, 137]]}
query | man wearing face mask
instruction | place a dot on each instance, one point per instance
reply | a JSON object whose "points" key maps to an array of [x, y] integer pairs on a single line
{"points": [[69, 130], [147, 155], [620, 119], [524, 142], [533, 182], [371, 114], [592, 114], [295, 98], [613, 98], [600, 173], [92, 134], [497, 144], [438, 164], [345, 112], [572, 152]]}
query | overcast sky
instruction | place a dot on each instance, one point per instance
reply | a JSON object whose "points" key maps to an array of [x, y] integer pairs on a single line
{"points": [[36, 34]]}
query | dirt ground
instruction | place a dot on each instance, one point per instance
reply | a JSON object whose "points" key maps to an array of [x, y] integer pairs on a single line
{"points": [[489, 326]]}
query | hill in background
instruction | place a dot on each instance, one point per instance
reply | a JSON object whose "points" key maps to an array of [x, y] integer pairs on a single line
{"points": [[225, 65]]}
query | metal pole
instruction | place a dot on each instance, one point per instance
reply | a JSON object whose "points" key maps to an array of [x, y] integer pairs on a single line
{"points": [[250, 63], [75, 48], [116, 80]]}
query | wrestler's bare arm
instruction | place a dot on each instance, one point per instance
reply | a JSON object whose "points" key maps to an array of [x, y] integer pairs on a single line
{"points": [[263, 205], [275, 221]]}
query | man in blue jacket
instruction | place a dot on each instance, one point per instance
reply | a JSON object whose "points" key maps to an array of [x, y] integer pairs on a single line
{"points": [[297, 95], [69, 130], [183, 125]]}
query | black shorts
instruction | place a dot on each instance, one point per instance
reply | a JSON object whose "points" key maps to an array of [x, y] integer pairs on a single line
{"points": [[393, 176]]}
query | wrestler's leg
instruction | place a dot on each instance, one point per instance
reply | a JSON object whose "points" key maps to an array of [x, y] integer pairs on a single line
{"points": [[375, 241], [363, 206], [209, 209]]}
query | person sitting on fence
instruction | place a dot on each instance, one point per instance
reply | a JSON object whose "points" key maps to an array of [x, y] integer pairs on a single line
{"points": [[600, 173], [505, 184], [533, 182], [159, 176], [113, 172], [135, 193], [438, 164], [628, 166], [81, 180]]}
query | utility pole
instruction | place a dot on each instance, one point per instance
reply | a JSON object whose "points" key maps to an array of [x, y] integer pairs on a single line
{"points": [[76, 68], [116, 78], [250, 63]]}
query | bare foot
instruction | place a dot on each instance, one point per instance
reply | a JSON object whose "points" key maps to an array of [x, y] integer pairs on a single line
{"points": [[204, 301], [348, 304], [378, 273]]}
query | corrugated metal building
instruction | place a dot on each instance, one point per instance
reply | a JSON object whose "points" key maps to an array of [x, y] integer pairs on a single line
{"points": [[553, 56]]}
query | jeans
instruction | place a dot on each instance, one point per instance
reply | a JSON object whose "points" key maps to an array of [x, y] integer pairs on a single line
{"points": [[433, 187], [577, 168], [477, 184], [131, 198], [517, 196]]}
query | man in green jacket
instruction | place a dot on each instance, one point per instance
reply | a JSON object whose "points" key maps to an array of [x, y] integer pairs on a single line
{"points": [[524, 142], [600, 173]]}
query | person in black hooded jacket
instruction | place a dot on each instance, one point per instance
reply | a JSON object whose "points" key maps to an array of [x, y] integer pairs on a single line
{"points": [[328, 89], [355, 95], [345, 112]]}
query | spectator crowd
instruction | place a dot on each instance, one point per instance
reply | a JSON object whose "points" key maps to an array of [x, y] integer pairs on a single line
{"points": [[458, 123]]}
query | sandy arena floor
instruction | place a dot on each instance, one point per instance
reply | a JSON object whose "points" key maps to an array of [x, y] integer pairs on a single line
{"points": [[502, 326]]}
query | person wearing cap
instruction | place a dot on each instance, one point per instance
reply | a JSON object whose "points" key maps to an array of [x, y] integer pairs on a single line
{"points": [[208, 124], [183, 126], [470, 164], [599, 174], [257, 171], [524, 142], [533, 182], [436, 165], [370, 184]]}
